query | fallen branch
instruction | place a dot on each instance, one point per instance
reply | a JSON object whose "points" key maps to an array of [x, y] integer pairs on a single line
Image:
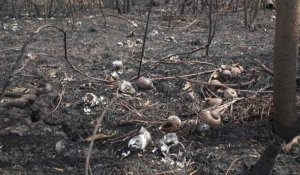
{"points": [[188, 75], [264, 67], [231, 165], [130, 108], [60, 98], [123, 137], [98, 136], [99, 120], [238, 85], [134, 122], [177, 54]]}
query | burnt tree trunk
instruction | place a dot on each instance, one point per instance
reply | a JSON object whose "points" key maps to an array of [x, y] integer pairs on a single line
{"points": [[286, 122], [257, 5]]}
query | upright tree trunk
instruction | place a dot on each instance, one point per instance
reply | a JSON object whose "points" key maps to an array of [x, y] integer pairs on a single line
{"points": [[286, 122], [257, 5], [246, 13]]}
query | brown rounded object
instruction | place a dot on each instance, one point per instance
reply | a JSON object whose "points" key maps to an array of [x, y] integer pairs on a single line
{"points": [[209, 119], [239, 66], [171, 125], [230, 93], [214, 101], [236, 71], [212, 87], [144, 83], [226, 75]]}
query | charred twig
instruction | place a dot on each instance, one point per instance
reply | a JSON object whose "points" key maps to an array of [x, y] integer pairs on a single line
{"points": [[264, 67], [123, 137], [188, 75], [134, 122], [99, 120], [177, 54], [242, 84], [209, 38], [231, 165], [271, 72], [131, 23], [144, 39], [98, 136], [130, 108], [60, 98], [69, 63], [246, 13], [15, 49], [180, 62], [203, 83], [251, 91], [212, 93], [102, 12], [189, 25]]}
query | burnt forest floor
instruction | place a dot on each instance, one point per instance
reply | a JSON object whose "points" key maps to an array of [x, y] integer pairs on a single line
{"points": [[54, 143]]}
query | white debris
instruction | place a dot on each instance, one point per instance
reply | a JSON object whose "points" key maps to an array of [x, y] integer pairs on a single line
{"points": [[140, 141], [167, 142], [153, 33], [120, 44], [118, 64], [138, 41], [126, 87], [15, 27], [79, 23], [171, 39], [90, 99]]}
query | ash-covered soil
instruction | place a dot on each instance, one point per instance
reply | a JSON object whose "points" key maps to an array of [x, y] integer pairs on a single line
{"points": [[47, 137]]}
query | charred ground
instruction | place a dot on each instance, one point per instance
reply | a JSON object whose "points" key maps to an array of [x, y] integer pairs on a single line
{"points": [[54, 144]]}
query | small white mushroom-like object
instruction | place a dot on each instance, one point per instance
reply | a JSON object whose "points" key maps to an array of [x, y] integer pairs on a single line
{"points": [[118, 64], [126, 87]]}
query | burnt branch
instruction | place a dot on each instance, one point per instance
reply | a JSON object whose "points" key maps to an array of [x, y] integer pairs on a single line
{"points": [[144, 39]]}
